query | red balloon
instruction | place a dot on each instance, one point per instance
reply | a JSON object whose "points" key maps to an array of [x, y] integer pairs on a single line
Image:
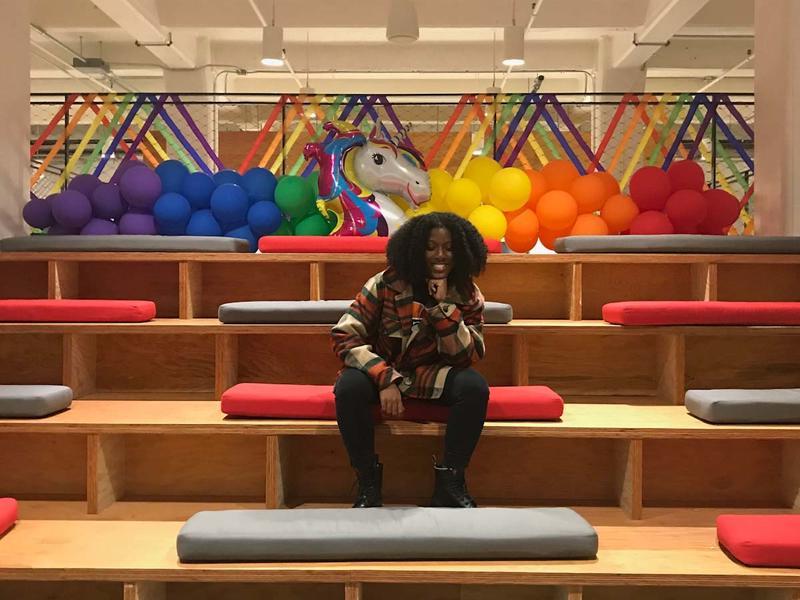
{"points": [[650, 188], [686, 175], [686, 209], [652, 222], [723, 210]]}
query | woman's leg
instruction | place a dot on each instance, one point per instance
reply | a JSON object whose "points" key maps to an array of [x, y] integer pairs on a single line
{"points": [[355, 394]]}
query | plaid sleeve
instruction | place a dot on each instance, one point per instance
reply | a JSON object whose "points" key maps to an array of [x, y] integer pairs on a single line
{"points": [[352, 334], [459, 331]]}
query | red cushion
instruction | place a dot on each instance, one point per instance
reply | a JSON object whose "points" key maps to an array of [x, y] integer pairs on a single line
{"points": [[8, 514], [310, 244], [77, 311], [761, 540], [696, 312], [289, 401]]}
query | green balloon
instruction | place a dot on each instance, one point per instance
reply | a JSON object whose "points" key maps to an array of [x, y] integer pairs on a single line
{"points": [[294, 196], [313, 179], [313, 225], [284, 229]]}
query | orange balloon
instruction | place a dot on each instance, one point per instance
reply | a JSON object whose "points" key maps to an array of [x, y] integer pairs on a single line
{"points": [[548, 237], [557, 210], [515, 213], [559, 174], [589, 192], [589, 225], [522, 231], [619, 212], [612, 185], [538, 188]]}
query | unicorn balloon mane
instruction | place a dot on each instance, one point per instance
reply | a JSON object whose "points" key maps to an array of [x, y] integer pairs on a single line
{"points": [[360, 172]]}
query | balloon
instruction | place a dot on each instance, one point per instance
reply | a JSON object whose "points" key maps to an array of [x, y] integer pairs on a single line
{"points": [[137, 224], [556, 210], [71, 209], [588, 224], [559, 174], [313, 225], [481, 170], [549, 237], [723, 210], [612, 185], [140, 187], [264, 217], [100, 227], [294, 196], [107, 201], [522, 231], [618, 212], [489, 221], [538, 188], [227, 176], [259, 183], [650, 188], [203, 223], [85, 184], [197, 189], [686, 175], [284, 229], [463, 196], [509, 189], [440, 181], [172, 174], [651, 222], [686, 209], [589, 192], [229, 206], [56, 229], [36, 213], [172, 213], [244, 233]]}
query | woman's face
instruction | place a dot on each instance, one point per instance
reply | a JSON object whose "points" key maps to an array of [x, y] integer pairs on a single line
{"points": [[439, 253]]}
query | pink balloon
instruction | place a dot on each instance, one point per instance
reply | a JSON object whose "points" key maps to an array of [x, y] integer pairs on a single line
{"points": [[686, 209], [650, 187], [651, 222], [723, 210]]}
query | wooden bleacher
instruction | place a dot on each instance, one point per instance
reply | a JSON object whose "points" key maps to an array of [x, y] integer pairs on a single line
{"points": [[103, 487]]}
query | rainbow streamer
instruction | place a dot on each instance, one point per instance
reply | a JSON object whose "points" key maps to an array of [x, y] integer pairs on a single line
{"points": [[478, 137], [318, 130], [106, 131], [648, 132]]}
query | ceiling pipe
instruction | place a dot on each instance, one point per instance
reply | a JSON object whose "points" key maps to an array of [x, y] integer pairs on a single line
{"points": [[716, 80], [535, 8]]}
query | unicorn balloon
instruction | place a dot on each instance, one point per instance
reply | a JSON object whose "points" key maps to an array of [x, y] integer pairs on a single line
{"points": [[359, 172]]}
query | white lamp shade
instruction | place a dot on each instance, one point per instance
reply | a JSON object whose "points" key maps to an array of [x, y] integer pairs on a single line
{"points": [[402, 26], [272, 46], [514, 46]]}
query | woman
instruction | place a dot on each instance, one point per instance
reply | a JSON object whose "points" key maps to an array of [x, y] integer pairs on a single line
{"points": [[414, 331]]}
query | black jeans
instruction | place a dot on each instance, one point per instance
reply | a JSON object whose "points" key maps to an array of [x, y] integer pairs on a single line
{"points": [[465, 391]]}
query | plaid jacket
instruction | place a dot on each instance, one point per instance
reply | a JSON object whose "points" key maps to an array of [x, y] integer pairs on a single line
{"points": [[394, 339]]}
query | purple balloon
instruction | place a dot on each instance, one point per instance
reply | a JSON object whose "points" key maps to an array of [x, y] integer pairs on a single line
{"points": [[37, 213], [100, 227], [137, 224], [125, 166], [85, 184], [72, 209], [107, 201], [57, 229], [140, 187]]}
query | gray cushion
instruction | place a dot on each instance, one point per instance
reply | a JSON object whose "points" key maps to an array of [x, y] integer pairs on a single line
{"points": [[386, 534], [679, 244], [31, 401], [319, 311], [745, 406], [123, 243]]}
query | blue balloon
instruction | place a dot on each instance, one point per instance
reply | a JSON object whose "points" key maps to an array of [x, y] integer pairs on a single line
{"points": [[264, 217], [197, 189], [244, 233], [227, 176], [229, 206], [259, 183], [172, 212], [172, 173], [203, 223]]}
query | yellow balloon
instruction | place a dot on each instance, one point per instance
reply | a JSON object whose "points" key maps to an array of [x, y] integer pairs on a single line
{"points": [[422, 210], [509, 189], [480, 170], [440, 181], [489, 221], [463, 196]]}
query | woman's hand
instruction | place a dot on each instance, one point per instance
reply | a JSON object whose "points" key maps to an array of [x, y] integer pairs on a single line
{"points": [[437, 289], [391, 401]]}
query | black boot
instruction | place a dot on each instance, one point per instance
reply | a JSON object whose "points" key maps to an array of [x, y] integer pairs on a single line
{"points": [[450, 489], [370, 481]]}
